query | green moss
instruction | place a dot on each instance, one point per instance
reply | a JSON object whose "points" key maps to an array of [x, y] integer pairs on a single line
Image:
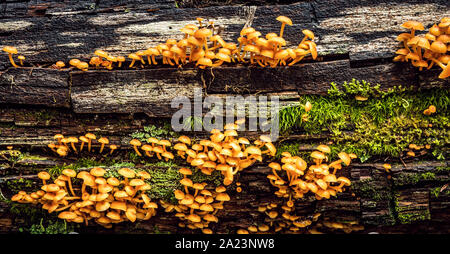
{"points": [[411, 179], [52, 227], [407, 218], [19, 184], [165, 179], [368, 189], [385, 124], [163, 130]]}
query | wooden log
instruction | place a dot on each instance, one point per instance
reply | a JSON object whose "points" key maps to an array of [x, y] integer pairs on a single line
{"points": [[34, 86], [369, 33], [369, 210]]}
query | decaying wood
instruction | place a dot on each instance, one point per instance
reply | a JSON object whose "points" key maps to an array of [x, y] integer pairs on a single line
{"points": [[356, 39], [372, 212]]}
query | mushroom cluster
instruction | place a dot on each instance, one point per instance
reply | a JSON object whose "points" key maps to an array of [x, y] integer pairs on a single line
{"points": [[13, 51], [223, 151], [319, 178], [67, 144], [413, 149], [104, 200], [203, 46], [197, 204], [426, 50], [294, 179], [153, 147]]}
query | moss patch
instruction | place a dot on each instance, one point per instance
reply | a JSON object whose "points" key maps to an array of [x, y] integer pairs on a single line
{"points": [[384, 124]]}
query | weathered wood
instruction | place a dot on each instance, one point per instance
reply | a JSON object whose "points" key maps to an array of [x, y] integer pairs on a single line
{"points": [[149, 91], [34, 86], [152, 90], [369, 211], [358, 28]]}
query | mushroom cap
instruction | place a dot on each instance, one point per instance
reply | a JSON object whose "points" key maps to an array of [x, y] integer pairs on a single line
{"points": [[284, 19], [318, 155], [144, 175], [223, 57], [438, 47], [90, 136], [84, 139], [247, 30], [252, 150], [312, 49], [98, 172], [222, 197], [101, 53], [202, 33], [135, 142], [204, 61], [423, 43], [282, 54], [136, 182], [66, 215], [119, 205], [113, 215], [344, 180], [413, 25], [164, 143], [185, 139], [185, 171], [277, 41], [251, 48], [72, 139], [103, 140], [324, 148], [134, 56], [69, 172], [345, 158], [186, 182], [167, 155], [330, 178], [44, 175], [10, 49], [82, 65], [126, 172], [147, 148], [445, 73], [308, 33], [21, 57], [113, 181], [104, 188]]}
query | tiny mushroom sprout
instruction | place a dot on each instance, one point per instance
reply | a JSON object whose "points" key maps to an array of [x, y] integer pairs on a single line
{"points": [[135, 143], [21, 59], [284, 20], [11, 50], [104, 141], [90, 137], [60, 64]]}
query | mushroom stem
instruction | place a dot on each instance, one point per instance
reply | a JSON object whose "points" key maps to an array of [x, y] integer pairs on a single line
{"points": [[12, 61], [73, 146], [132, 63], [89, 145], [137, 151], [64, 207], [70, 187], [81, 147], [101, 148], [282, 29]]}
